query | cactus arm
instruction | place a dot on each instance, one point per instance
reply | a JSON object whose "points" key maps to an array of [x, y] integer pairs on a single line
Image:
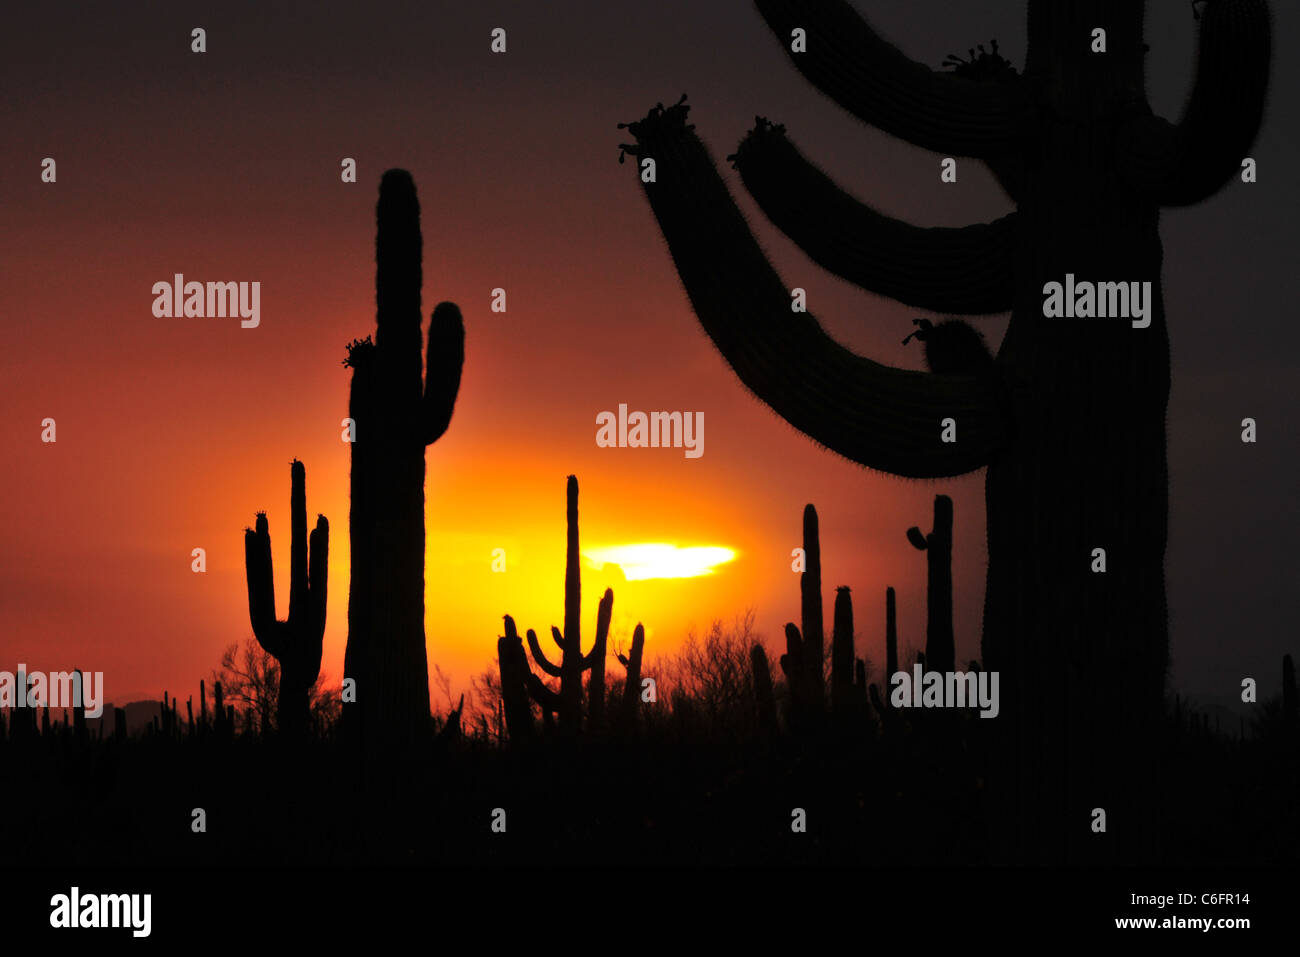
{"points": [[888, 419], [442, 369], [917, 538], [632, 683], [318, 575], [792, 661], [633, 663], [1187, 163], [261, 587], [540, 656], [595, 660], [557, 637], [513, 664], [849, 62], [544, 696], [603, 614], [317, 589], [965, 271]]}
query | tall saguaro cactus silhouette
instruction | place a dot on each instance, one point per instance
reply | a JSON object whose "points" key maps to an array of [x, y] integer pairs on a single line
{"points": [[295, 642], [1070, 417], [395, 415]]}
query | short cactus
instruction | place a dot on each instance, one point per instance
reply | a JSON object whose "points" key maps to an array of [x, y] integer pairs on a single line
{"points": [[295, 642], [939, 651]]}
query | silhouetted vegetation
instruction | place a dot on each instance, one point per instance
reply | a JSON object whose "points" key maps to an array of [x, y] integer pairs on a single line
{"points": [[1068, 418]]}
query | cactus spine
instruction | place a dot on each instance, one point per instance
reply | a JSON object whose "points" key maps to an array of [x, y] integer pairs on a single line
{"points": [[295, 642], [395, 416]]}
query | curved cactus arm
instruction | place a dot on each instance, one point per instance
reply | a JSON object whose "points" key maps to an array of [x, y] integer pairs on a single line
{"points": [[966, 271], [917, 538], [442, 370], [540, 656], [558, 637], [885, 418], [261, 588], [544, 696], [1185, 164], [849, 62]]}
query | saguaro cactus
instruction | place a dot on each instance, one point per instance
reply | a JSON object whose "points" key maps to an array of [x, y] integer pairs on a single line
{"points": [[512, 662], [632, 683], [567, 703], [1070, 418], [764, 696], [395, 416], [891, 642], [842, 656], [848, 672], [295, 642], [939, 652], [79, 708], [804, 660], [223, 721], [810, 602]]}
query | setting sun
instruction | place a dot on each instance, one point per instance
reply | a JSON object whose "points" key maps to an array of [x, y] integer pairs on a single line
{"points": [[659, 560]]}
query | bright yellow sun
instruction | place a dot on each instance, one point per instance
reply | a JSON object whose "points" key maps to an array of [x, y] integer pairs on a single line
{"points": [[659, 560]]}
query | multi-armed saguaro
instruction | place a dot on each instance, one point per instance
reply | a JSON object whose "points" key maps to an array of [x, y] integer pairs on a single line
{"points": [[517, 677], [1069, 418], [295, 642], [395, 416]]}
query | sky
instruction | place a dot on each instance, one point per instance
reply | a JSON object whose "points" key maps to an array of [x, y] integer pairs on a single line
{"points": [[225, 166]]}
